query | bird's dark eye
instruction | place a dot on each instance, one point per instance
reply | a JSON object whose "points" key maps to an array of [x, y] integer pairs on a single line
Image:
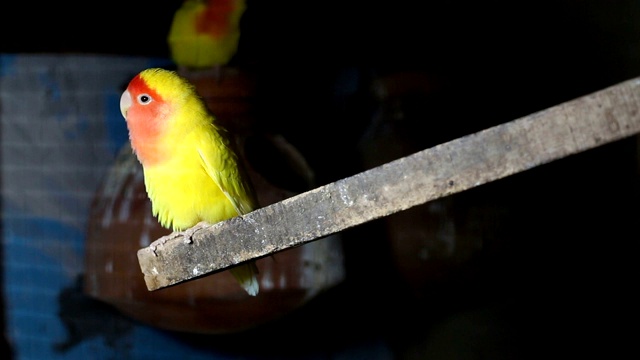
{"points": [[144, 99]]}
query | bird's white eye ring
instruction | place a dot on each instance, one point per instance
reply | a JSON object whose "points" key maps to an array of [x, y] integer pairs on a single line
{"points": [[144, 99]]}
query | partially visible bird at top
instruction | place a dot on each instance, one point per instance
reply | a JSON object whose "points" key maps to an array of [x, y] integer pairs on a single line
{"points": [[204, 34]]}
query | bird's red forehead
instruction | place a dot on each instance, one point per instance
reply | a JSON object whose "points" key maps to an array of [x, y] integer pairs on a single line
{"points": [[138, 86]]}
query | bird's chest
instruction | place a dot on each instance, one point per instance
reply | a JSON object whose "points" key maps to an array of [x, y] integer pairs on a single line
{"points": [[181, 196]]}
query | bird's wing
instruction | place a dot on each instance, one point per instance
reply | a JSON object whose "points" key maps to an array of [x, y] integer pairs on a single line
{"points": [[222, 165]]}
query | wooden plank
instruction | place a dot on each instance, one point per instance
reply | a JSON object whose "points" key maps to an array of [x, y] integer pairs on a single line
{"points": [[494, 153]]}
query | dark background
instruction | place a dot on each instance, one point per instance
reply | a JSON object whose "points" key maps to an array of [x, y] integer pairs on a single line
{"points": [[492, 61], [562, 281]]}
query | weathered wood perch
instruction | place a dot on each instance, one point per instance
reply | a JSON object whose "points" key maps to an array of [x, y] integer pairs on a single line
{"points": [[578, 125]]}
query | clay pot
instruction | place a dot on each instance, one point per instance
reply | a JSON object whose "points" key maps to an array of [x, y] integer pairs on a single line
{"points": [[428, 243], [121, 223]]}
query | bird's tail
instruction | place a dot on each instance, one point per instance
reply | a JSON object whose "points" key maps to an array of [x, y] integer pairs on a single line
{"points": [[247, 277]]}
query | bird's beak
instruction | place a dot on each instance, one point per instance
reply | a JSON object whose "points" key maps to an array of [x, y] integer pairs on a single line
{"points": [[125, 103]]}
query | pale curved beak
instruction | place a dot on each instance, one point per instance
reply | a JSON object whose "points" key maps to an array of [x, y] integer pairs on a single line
{"points": [[125, 103]]}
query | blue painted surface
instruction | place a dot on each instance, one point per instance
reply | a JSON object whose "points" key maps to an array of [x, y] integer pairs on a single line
{"points": [[62, 128]]}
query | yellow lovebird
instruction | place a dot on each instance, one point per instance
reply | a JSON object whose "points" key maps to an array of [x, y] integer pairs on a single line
{"points": [[191, 172], [205, 33]]}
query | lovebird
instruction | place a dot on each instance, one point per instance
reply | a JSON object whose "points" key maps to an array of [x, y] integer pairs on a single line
{"points": [[205, 33], [192, 172]]}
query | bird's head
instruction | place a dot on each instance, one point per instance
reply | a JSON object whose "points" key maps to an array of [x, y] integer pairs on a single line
{"points": [[148, 104]]}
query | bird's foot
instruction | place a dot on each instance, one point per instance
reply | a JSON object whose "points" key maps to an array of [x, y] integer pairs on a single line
{"points": [[163, 240], [188, 234]]}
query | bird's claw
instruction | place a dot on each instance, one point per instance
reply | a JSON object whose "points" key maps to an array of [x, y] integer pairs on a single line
{"points": [[188, 234]]}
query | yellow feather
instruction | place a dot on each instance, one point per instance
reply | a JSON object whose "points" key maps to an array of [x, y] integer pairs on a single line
{"points": [[199, 177], [205, 33]]}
